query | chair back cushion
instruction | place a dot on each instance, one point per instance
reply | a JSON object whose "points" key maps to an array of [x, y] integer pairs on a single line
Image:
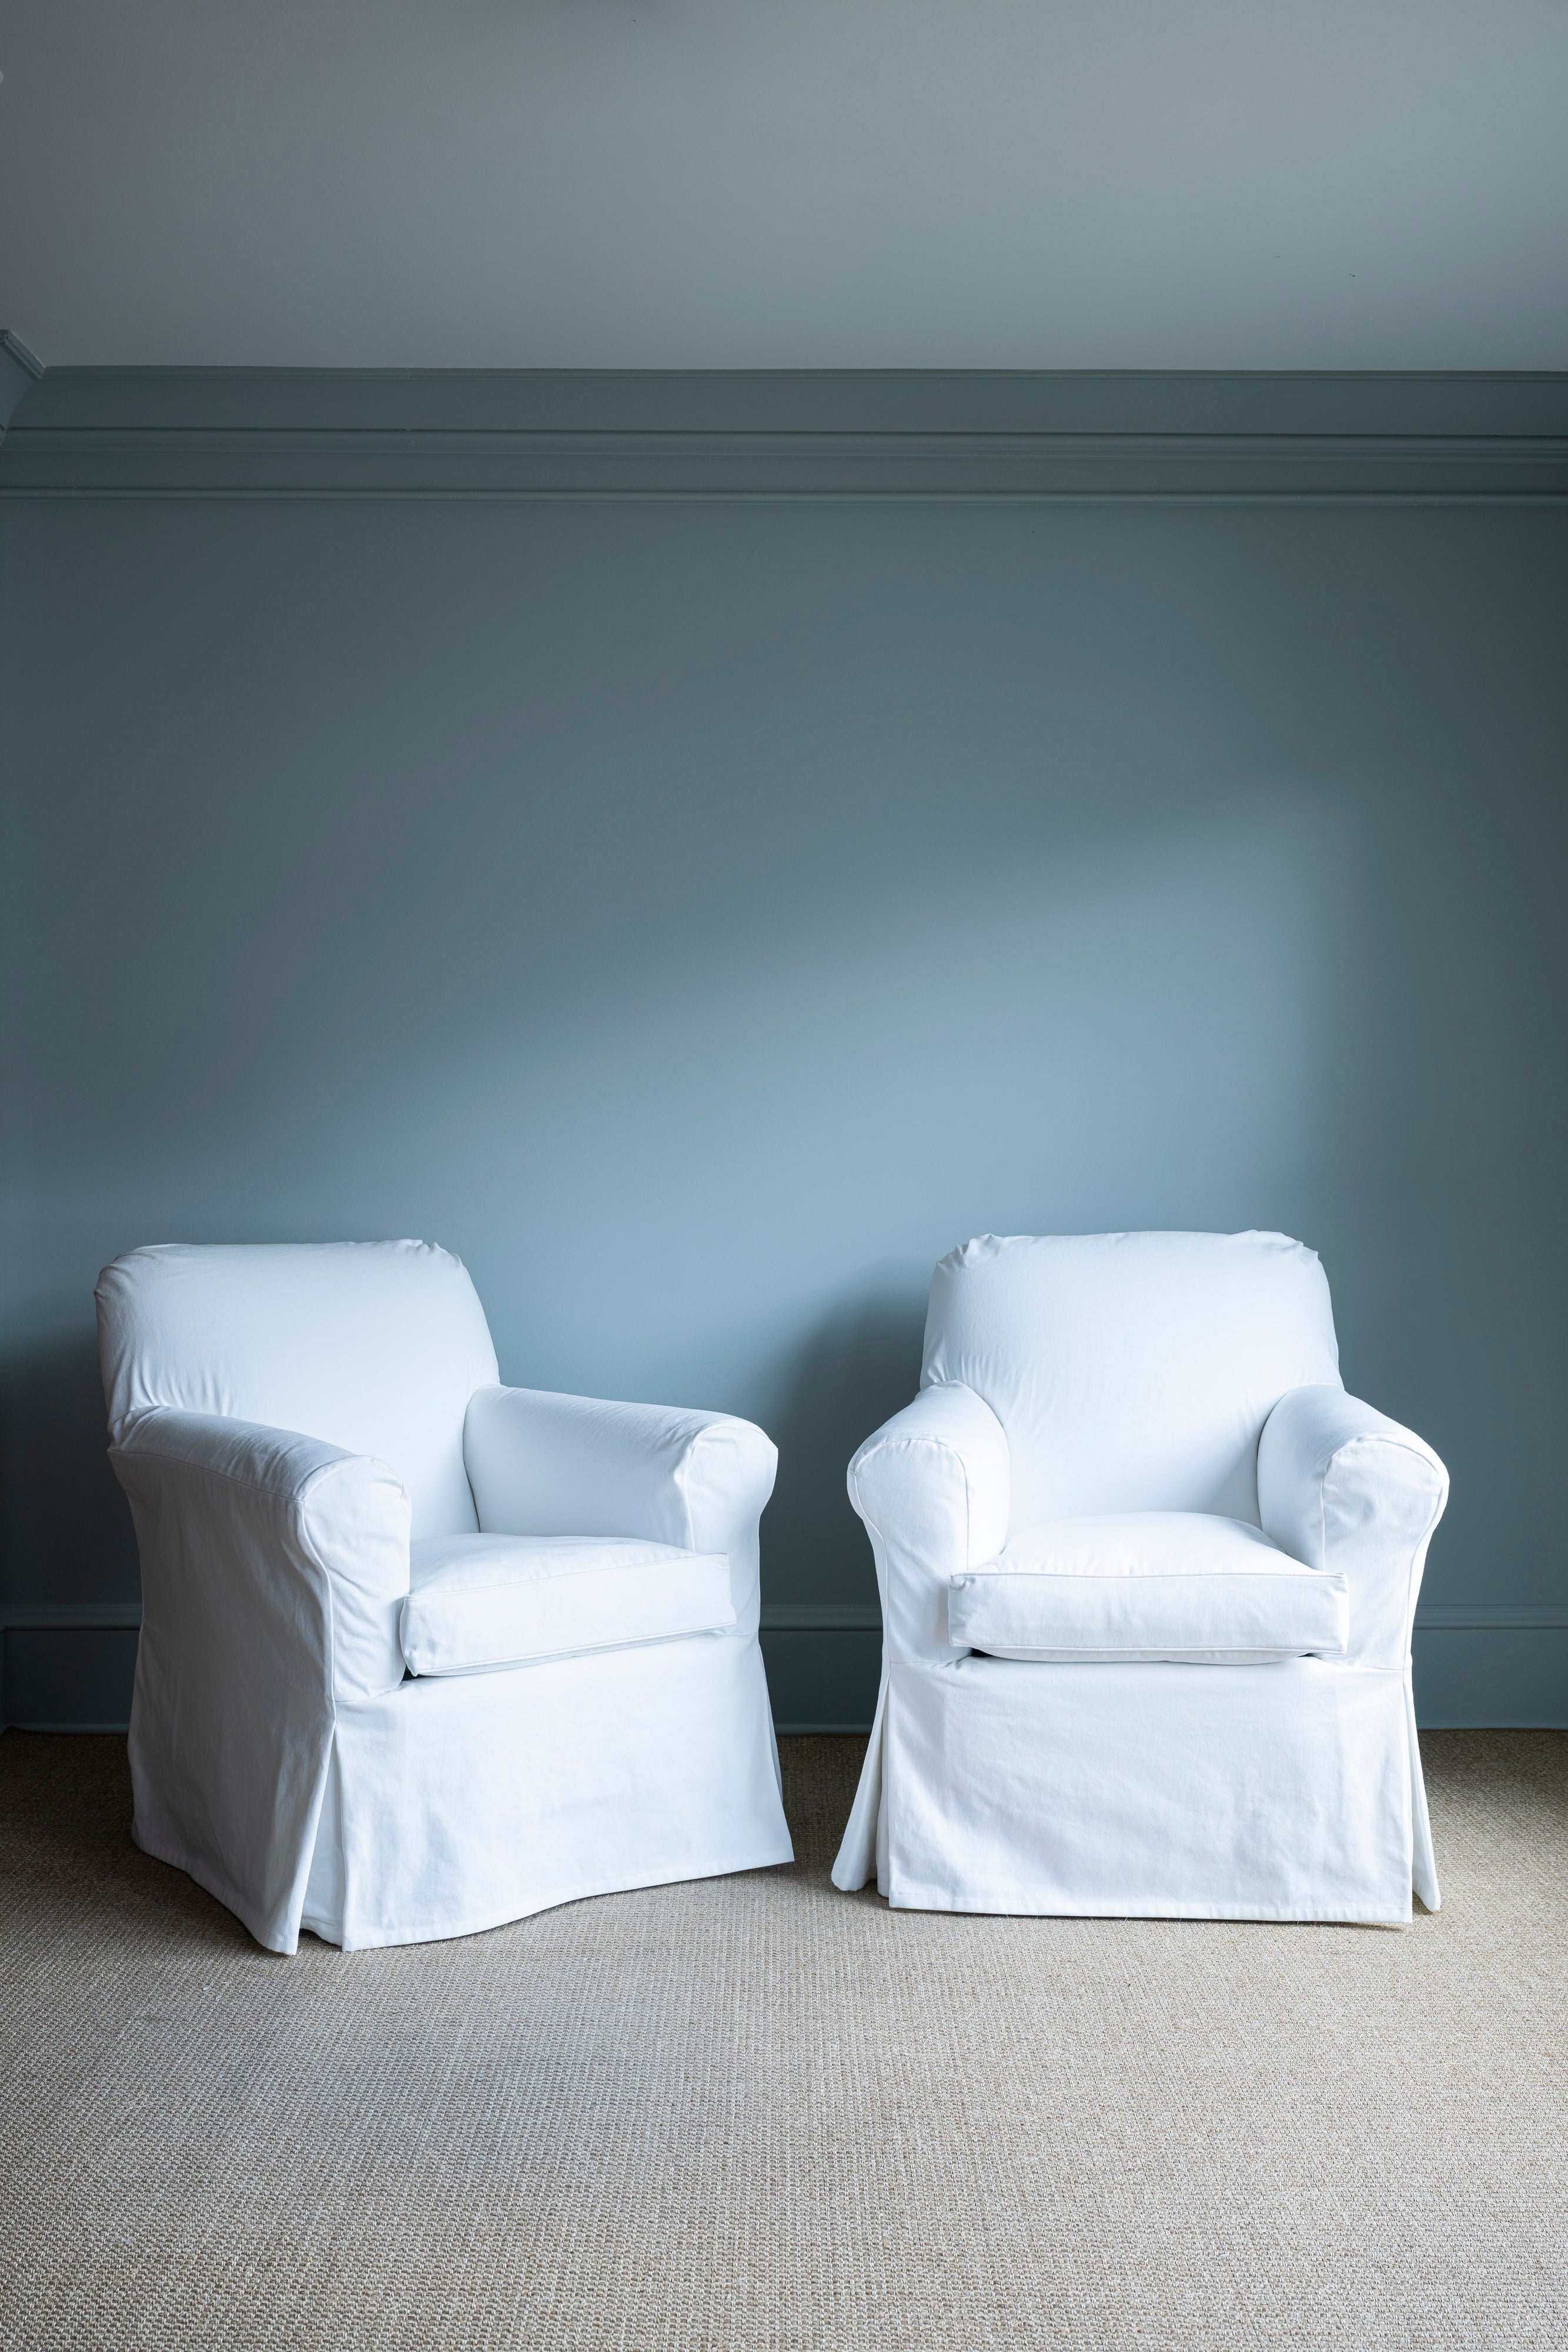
{"points": [[1131, 1371], [373, 1345]]}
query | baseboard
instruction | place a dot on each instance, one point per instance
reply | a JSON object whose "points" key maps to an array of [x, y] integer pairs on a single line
{"points": [[66, 1668], [1491, 1676], [824, 1664], [1479, 1665], [821, 1730], [70, 1730], [19, 371]]}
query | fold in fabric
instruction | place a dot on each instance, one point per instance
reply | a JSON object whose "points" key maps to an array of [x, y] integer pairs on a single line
{"points": [[856, 1860]]}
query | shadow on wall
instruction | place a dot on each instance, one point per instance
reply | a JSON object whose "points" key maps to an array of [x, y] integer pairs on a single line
{"points": [[861, 1366], [68, 1526]]}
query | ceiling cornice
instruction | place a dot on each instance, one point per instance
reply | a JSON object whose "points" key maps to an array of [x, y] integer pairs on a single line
{"points": [[281, 433]]}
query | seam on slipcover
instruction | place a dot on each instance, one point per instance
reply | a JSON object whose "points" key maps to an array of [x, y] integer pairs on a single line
{"points": [[555, 1657], [684, 1875], [289, 1504], [1419, 1549], [309, 1851], [682, 1480], [983, 1657], [683, 1488], [1269, 1916], [462, 1433], [622, 1567], [251, 1486], [714, 1423], [904, 1443]]}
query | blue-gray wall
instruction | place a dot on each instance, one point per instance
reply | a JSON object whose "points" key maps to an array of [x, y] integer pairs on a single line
{"points": [[702, 912]]}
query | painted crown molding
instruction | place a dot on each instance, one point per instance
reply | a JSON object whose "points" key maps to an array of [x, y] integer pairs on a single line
{"points": [[282, 433], [19, 371]]}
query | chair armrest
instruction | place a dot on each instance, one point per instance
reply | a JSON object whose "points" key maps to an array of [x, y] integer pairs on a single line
{"points": [[933, 1488], [266, 1554], [544, 1465], [1343, 1488]]}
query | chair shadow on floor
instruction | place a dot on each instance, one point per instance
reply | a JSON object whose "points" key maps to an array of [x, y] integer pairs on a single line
{"points": [[65, 1825]]}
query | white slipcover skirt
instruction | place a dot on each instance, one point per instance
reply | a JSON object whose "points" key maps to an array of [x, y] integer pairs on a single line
{"points": [[1290, 1790]]}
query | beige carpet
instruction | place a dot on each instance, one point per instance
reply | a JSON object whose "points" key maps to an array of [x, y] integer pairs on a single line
{"points": [[754, 2112]]}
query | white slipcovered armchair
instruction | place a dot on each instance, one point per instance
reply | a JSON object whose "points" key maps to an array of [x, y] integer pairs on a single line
{"points": [[1147, 1576], [421, 1653]]}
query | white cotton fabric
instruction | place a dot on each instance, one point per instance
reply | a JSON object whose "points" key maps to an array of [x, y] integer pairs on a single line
{"points": [[1189, 1381], [1131, 1371], [1148, 1791], [1148, 1586], [375, 1346], [278, 1752], [273, 1567], [667, 1477], [581, 1777], [475, 1602], [1184, 1587], [1341, 1485]]}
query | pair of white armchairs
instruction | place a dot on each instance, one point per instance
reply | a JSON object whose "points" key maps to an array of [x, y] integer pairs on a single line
{"points": [[421, 1653]]}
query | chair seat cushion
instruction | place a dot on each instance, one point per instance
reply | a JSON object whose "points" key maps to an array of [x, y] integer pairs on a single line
{"points": [[1178, 1586], [480, 1601]]}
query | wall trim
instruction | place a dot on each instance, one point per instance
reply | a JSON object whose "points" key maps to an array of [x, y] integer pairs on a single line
{"points": [[810, 1616], [822, 1730], [1440, 1617], [1072, 439], [19, 371], [69, 1616], [1463, 1689], [1488, 1616], [820, 1617]]}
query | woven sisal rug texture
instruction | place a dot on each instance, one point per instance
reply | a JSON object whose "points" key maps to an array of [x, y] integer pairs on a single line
{"points": [[753, 2112]]}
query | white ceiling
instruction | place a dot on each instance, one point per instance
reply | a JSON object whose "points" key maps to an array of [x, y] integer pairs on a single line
{"points": [[1061, 183]]}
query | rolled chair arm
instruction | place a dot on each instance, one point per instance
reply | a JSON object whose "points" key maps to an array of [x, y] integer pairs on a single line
{"points": [[303, 1544], [933, 1486], [1342, 1487], [273, 1567], [545, 1464]]}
